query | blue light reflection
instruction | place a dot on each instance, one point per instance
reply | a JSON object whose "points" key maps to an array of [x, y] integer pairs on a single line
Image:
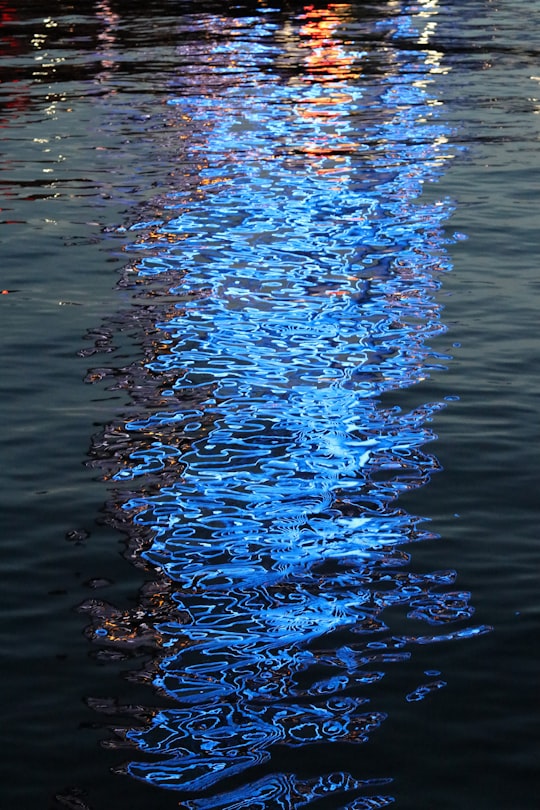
{"points": [[302, 279]]}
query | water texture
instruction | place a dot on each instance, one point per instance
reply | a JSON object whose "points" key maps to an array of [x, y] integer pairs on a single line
{"points": [[300, 284], [245, 225]]}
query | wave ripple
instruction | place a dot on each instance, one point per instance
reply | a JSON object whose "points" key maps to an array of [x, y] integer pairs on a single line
{"points": [[299, 285]]}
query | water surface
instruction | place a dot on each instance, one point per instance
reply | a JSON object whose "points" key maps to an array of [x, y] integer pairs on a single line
{"points": [[247, 229]]}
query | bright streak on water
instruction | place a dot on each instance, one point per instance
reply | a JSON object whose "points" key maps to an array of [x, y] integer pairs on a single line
{"points": [[301, 277]]}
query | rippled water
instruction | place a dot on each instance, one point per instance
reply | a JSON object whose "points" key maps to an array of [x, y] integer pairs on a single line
{"points": [[305, 272], [277, 192]]}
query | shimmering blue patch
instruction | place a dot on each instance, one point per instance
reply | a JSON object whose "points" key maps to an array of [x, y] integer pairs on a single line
{"points": [[424, 690], [299, 282], [285, 791]]}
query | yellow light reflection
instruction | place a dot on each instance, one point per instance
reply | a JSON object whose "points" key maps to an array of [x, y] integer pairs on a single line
{"points": [[107, 36], [327, 63], [327, 60]]}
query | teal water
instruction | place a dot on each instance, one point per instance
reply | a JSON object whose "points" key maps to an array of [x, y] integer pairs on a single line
{"points": [[175, 182]]}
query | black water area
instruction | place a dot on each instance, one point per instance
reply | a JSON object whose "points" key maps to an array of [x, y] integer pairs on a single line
{"points": [[268, 319]]}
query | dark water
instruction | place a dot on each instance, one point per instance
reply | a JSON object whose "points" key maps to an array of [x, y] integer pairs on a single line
{"points": [[291, 252]]}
